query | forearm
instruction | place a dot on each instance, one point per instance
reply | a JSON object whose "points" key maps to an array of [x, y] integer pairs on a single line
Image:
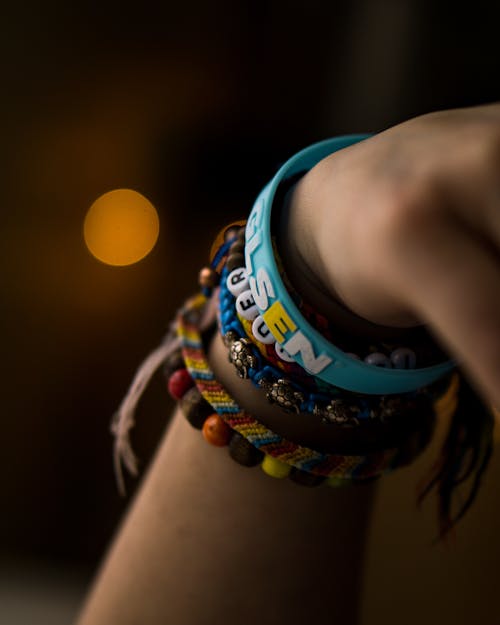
{"points": [[207, 540]]}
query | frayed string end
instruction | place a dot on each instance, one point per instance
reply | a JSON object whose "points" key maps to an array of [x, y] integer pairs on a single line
{"points": [[123, 419]]}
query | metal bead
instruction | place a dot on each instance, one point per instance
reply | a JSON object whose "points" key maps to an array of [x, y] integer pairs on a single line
{"points": [[284, 395], [404, 358], [243, 452], [338, 412], [378, 359], [261, 332], [234, 261], [242, 357], [304, 478], [246, 306], [195, 408], [230, 337]]}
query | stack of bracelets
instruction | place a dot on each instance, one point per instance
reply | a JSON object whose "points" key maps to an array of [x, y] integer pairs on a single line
{"points": [[378, 392]]}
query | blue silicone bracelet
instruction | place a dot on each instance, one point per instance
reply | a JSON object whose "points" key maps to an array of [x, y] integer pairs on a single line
{"points": [[303, 342]]}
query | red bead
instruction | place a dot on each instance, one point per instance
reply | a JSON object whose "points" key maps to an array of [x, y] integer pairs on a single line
{"points": [[179, 382], [215, 431]]}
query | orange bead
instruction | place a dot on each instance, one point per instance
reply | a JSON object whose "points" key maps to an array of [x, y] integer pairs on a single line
{"points": [[215, 431]]}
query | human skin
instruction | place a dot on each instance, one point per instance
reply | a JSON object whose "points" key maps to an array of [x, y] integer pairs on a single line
{"points": [[403, 228]]}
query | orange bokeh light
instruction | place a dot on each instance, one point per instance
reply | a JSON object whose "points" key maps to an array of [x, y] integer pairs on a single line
{"points": [[121, 227]]}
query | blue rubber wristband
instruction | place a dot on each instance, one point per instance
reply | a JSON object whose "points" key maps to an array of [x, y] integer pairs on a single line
{"points": [[284, 320]]}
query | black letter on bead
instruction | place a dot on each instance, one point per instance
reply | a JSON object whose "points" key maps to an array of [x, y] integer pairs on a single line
{"points": [[238, 277]]}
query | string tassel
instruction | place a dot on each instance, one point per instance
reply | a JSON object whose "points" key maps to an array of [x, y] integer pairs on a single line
{"points": [[123, 420]]}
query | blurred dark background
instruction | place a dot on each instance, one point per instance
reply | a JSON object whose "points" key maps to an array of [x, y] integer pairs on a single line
{"points": [[194, 104]]}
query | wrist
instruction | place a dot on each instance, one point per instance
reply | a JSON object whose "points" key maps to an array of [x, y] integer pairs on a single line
{"points": [[299, 245]]}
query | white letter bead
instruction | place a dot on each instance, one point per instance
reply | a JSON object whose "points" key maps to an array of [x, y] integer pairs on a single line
{"points": [[245, 305], [377, 359], [282, 353], [404, 358], [261, 332], [237, 281]]}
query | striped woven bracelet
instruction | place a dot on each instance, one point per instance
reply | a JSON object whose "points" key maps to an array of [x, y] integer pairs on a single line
{"points": [[208, 406]]}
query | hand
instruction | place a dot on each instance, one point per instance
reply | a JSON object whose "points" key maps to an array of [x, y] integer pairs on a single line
{"points": [[404, 228]]}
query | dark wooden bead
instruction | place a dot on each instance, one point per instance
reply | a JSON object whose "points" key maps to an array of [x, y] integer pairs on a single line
{"points": [[237, 248], [231, 233], [234, 261], [244, 452], [174, 362], [241, 235], [304, 478], [195, 408]]}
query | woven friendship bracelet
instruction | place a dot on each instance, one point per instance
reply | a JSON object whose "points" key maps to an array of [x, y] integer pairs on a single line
{"points": [[352, 467]]}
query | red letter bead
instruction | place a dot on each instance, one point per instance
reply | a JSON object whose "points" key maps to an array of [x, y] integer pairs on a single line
{"points": [[215, 431], [179, 382]]}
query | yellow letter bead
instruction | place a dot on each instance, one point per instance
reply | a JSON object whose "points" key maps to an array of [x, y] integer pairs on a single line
{"points": [[274, 467], [278, 321]]}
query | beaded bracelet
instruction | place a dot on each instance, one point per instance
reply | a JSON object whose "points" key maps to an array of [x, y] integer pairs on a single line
{"points": [[333, 405], [281, 457]]}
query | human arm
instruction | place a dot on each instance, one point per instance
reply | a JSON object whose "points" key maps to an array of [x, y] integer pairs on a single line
{"points": [[351, 222]]}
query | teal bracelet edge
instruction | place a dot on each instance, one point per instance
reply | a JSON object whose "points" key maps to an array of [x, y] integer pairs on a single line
{"points": [[304, 343]]}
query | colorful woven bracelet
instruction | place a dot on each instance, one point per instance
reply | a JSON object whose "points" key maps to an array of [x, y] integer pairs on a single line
{"points": [[294, 457]]}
